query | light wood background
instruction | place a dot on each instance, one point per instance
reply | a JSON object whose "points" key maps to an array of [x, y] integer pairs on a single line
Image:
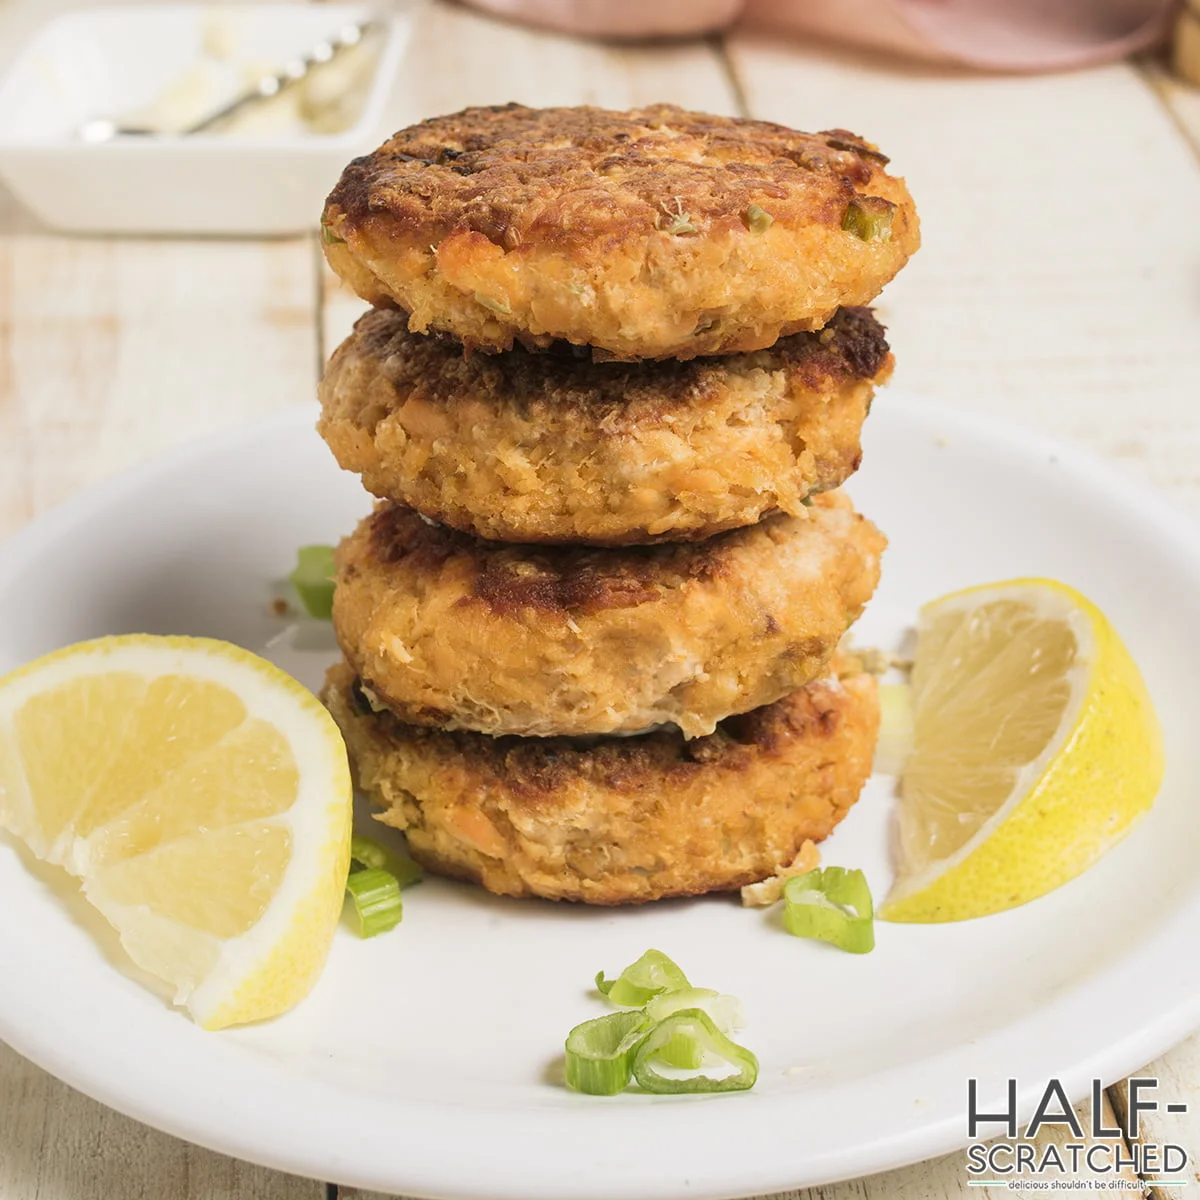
{"points": [[1059, 286]]}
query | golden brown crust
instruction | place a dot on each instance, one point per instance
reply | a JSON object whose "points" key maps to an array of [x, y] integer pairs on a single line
{"points": [[551, 447], [618, 820], [646, 234], [459, 633]]}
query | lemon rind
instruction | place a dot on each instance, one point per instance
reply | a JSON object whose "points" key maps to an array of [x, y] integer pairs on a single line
{"points": [[1103, 659], [251, 978]]}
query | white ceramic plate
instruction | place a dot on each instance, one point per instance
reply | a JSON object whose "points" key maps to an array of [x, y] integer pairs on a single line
{"points": [[425, 1061]]}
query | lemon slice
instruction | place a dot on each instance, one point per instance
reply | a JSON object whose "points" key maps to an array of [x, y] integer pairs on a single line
{"points": [[1035, 749], [203, 798]]}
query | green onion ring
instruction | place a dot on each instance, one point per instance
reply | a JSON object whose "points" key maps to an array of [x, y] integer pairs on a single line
{"points": [[652, 974], [833, 905], [376, 897], [313, 580], [369, 853], [684, 1050], [600, 1052], [694, 1026]]}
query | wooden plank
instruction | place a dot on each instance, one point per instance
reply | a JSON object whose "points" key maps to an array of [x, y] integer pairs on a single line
{"points": [[56, 1144], [461, 58], [939, 1179], [1181, 98], [1057, 285], [111, 350], [1178, 1075]]}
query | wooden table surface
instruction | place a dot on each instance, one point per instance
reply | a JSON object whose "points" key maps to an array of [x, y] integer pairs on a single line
{"points": [[1059, 287]]}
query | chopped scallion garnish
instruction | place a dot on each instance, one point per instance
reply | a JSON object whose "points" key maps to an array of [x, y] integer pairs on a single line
{"points": [[375, 894], [869, 218], [693, 1029], [651, 975], [329, 237], [725, 1011], [599, 1058], [369, 853], [684, 1050], [758, 220], [313, 580], [833, 905], [681, 1028], [677, 221]]}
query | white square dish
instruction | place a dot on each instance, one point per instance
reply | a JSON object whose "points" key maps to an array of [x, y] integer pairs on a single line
{"points": [[111, 61]]}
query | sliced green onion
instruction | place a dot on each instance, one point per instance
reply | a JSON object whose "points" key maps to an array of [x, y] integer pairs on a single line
{"points": [[600, 1052], [329, 237], [685, 1050], [313, 580], [376, 897], [680, 223], [869, 217], [725, 1011], [832, 905], [676, 222], [692, 1026], [681, 1028], [369, 853], [758, 220], [652, 974]]}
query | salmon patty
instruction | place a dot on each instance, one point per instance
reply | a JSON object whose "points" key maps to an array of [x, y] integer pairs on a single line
{"points": [[551, 447], [653, 233], [450, 631], [618, 820]]}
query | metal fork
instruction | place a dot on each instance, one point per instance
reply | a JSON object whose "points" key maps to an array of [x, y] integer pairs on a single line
{"points": [[104, 129]]}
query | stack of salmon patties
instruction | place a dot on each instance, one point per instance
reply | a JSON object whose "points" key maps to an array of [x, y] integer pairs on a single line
{"points": [[615, 372]]}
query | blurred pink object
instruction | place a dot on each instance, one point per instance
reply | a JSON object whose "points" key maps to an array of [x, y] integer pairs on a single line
{"points": [[620, 18], [1015, 35]]}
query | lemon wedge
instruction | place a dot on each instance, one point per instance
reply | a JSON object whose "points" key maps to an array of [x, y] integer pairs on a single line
{"points": [[1035, 749], [203, 798]]}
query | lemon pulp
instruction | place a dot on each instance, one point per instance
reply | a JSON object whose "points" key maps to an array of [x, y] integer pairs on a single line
{"points": [[1035, 748], [203, 798]]}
